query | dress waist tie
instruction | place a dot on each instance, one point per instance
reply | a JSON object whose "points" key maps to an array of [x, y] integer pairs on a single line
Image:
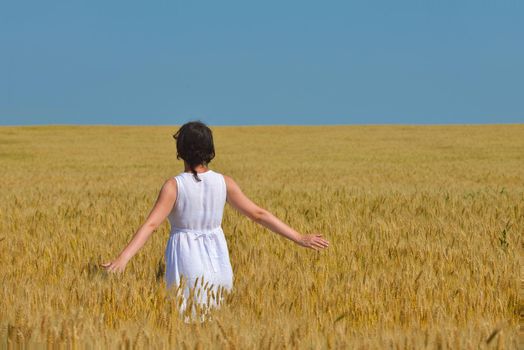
{"points": [[205, 234]]}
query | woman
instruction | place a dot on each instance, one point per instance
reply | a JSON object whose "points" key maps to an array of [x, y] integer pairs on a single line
{"points": [[193, 201]]}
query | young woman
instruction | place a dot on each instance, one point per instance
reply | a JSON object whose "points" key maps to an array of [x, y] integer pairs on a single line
{"points": [[193, 201]]}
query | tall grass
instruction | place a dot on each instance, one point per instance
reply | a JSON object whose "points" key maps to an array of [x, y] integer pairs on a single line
{"points": [[425, 226]]}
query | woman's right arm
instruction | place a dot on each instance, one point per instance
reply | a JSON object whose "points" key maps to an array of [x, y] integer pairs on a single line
{"points": [[238, 200]]}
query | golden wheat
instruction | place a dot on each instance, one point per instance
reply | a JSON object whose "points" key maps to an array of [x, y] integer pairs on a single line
{"points": [[425, 226]]}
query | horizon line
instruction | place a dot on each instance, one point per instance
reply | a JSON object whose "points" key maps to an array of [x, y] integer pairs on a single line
{"points": [[256, 125]]}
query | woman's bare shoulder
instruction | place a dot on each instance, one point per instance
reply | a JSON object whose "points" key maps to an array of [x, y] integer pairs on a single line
{"points": [[170, 186], [228, 179], [231, 185]]}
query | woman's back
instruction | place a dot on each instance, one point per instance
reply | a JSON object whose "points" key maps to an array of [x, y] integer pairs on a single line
{"points": [[199, 204]]}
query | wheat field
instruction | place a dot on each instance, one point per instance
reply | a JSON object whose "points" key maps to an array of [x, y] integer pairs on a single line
{"points": [[425, 225]]}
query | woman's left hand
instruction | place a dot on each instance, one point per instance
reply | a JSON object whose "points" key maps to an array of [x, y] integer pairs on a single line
{"points": [[115, 266]]}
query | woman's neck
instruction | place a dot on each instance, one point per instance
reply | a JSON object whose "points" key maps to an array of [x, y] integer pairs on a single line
{"points": [[199, 168]]}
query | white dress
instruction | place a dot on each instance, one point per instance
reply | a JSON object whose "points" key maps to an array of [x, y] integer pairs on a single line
{"points": [[197, 246]]}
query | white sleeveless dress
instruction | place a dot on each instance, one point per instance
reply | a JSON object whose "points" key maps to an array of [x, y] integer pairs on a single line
{"points": [[197, 246]]}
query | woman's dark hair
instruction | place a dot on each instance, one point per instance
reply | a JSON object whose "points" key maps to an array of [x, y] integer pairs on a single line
{"points": [[194, 144]]}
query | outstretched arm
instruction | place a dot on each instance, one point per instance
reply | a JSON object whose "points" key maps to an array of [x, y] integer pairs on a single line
{"points": [[238, 200], [164, 203]]}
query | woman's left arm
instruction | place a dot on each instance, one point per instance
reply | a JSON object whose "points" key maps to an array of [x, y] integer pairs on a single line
{"points": [[164, 203]]}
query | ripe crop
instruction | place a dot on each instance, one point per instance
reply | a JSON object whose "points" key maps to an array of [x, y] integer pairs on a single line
{"points": [[425, 225]]}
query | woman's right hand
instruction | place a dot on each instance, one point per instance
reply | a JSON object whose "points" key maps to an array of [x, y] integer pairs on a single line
{"points": [[313, 241]]}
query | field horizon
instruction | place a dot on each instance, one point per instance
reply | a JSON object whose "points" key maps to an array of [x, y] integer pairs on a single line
{"points": [[262, 125], [425, 227]]}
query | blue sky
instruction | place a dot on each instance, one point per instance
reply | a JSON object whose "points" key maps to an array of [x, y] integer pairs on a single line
{"points": [[261, 62]]}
